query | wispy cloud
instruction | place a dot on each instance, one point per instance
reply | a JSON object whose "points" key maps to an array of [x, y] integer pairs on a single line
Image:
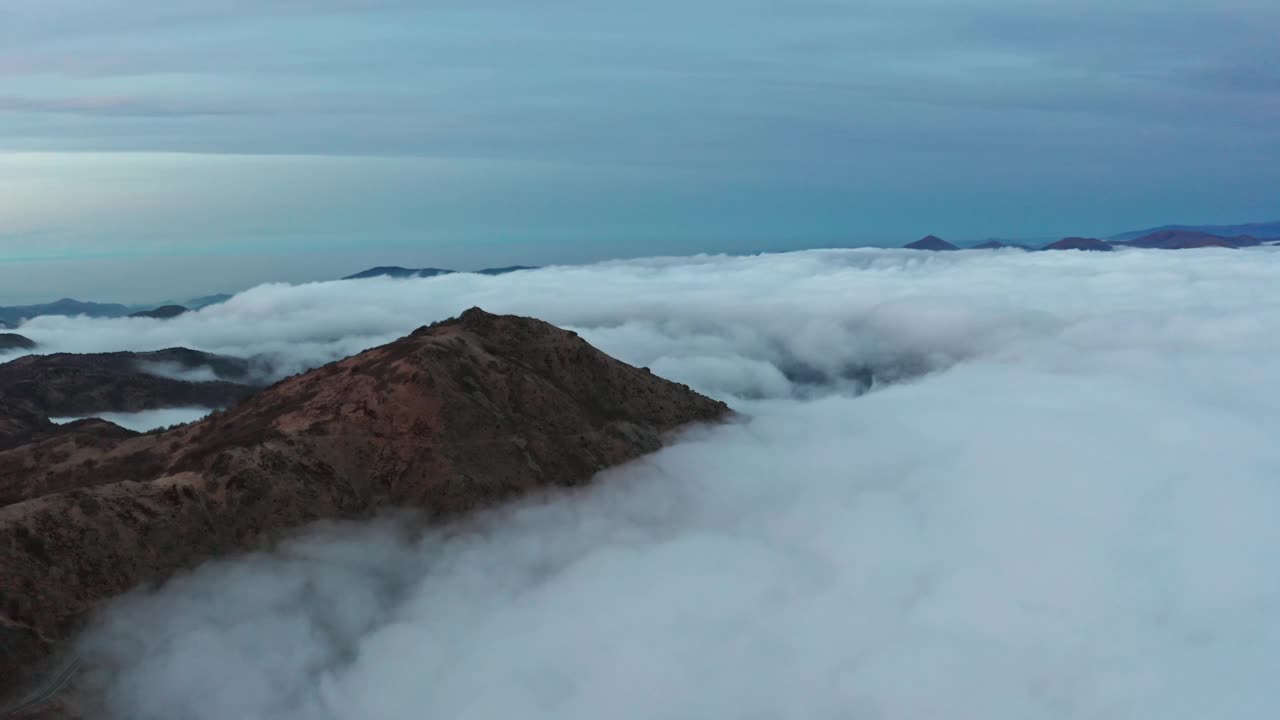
{"points": [[119, 106]]}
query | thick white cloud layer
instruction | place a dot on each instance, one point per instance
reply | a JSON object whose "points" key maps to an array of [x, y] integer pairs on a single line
{"points": [[1068, 511]]}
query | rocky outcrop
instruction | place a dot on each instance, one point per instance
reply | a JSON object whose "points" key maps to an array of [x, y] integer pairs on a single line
{"points": [[452, 419]]}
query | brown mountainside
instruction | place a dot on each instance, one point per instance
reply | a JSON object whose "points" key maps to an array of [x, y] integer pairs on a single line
{"points": [[451, 419]]}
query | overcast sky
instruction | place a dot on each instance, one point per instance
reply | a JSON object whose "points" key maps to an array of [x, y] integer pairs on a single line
{"points": [[153, 149]]}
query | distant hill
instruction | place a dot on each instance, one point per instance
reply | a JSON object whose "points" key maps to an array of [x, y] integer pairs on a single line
{"points": [[998, 244], [1079, 243], [15, 314], [930, 242], [67, 384], [395, 271], [206, 301], [1264, 230], [1189, 239], [164, 312], [13, 341]]}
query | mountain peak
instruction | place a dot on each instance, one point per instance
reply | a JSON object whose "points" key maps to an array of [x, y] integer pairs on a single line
{"points": [[454, 418], [931, 242]]}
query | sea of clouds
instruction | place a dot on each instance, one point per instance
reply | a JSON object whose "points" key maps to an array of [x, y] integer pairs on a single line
{"points": [[989, 485]]}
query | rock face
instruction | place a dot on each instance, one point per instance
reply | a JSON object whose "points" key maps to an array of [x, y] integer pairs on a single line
{"points": [[1079, 243], [930, 242], [454, 418], [13, 341], [69, 384], [164, 312]]}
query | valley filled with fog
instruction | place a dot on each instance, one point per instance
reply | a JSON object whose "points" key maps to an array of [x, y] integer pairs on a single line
{"points": [[959, 485]]}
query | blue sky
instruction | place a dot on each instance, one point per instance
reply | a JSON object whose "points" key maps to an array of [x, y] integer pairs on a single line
{"points": [[150, 149]]}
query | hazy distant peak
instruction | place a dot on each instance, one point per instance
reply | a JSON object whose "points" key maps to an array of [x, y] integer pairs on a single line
{"points": [[1080, 243], [931, 242], [395, 271], [1263, 230]]}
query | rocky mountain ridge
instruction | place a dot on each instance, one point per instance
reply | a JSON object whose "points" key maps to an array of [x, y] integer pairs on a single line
{"points": [[452, 419]]}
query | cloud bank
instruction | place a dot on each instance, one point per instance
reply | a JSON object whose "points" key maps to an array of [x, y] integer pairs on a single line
{"points": [[145, 420], [1058, 502]]}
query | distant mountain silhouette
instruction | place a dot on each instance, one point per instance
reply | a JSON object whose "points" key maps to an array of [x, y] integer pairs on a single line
{"points": [[395, 271], [1189, 239], [15, 314], [163, 312], [13, 341], [998, 244], [930, 242], [206, 301], [1079, 243], [1263, 230]]}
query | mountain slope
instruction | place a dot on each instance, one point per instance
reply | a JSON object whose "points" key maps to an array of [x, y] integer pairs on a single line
{"points": [[452, 419], [13, 341]]}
